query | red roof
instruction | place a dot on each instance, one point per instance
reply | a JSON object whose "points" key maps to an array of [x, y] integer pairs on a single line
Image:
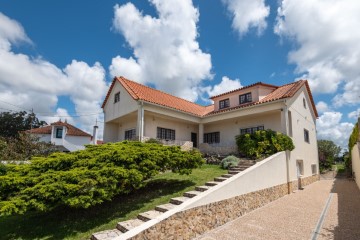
{"points": [[71, 130], [151, 95]]}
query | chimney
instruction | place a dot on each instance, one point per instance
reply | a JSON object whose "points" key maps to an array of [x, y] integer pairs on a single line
{"points": [[95, 132]]}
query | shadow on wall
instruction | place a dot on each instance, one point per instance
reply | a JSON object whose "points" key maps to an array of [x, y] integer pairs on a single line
{"points": [[348, 225]]}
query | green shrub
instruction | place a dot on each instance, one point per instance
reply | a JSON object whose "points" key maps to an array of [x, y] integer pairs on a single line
{"points": [[229, 161], [85, 178], [153, 140], [263, 143]]}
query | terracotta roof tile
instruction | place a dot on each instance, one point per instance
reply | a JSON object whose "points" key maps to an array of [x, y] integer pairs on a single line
{"points": [[71, 130], [147, 94]]}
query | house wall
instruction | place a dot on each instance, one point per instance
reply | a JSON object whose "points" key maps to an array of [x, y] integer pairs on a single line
{"points": [[78, 140], [44, 137], [182, 129], [303, 118], [230, 128], [124, 125], [355, 159], [126, 104], [257, 93], [111, 132]]}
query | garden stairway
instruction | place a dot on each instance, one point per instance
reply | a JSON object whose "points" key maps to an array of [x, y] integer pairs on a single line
{"points": [[128, 225]]}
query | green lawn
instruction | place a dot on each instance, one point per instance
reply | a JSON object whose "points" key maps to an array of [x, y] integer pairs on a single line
{"points": [[65, 223]]}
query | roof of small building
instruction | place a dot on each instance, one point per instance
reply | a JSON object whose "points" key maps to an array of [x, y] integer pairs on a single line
{"points": [[141, 92], [71, 130]]}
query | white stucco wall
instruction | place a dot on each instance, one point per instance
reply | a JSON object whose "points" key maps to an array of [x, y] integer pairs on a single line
{"points": [[355, 158], [78, 140], [182, 129], [267, 173], [303, 118], [111, 132], [44, 137], [257, 93], [126, 104], [230, 128]]}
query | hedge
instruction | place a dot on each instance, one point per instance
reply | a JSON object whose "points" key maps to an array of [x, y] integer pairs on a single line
{"points": [[85, 178]]}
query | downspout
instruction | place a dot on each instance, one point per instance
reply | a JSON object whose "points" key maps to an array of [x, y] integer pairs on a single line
{"points": [[287, 152]]}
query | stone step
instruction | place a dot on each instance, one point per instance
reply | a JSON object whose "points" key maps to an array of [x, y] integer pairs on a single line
{"points": [[219, 179], [147, 216], [178, 200], [128, 225], [165, 207], [211, 184], [238, 168], [202, 188], [227, 175], [233, 172], [191, 194], [106, 235]]}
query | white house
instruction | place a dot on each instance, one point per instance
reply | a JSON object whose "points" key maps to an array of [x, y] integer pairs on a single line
{"points": [[136, 111], [64, 135]]}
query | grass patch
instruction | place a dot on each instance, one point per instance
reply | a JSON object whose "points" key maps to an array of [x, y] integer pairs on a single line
{"points": [[65, 223], [340, 167]]}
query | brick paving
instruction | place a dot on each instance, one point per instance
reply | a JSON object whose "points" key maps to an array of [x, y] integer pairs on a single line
{"points": [[296, 216]]}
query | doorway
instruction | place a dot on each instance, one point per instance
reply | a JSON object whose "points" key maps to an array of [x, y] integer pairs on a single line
{"points": [[194, 139]]}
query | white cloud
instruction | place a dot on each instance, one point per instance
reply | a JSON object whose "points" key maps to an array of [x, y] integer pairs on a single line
{"points": [[165, 50], [354, 114], [328, 44], [36, 83], [247, 14], [11, 32], [330, 127], [225, 85], [322, 107]]}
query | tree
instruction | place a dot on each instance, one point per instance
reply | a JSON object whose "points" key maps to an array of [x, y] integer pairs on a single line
{"points": [[328, 151], [24, 147], [13, 123]]}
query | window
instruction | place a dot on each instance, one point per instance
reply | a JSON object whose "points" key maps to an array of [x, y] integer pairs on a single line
{"points": [[245, 98], [224, 103], [117, 97], [130, 134], [306, 136], [304, 103], [251, 129], [164, 133], [213, 137], [59, 132]]}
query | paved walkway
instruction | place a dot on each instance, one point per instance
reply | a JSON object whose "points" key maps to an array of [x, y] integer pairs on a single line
{"points": [[297, 216]]}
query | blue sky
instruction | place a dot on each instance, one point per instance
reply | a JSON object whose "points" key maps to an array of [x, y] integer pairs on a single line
{"points": [[58, 57]]}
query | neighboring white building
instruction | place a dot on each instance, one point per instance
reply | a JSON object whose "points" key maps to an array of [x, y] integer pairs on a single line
{"points": [[63, 134], [136, 111]]}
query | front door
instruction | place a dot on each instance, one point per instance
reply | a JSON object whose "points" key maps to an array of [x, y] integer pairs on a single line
{"points": [[194, 139]]}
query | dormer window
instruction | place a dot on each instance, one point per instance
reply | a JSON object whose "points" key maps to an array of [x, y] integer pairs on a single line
{"points": [[245, 98], [117, 97], [224, 103]]}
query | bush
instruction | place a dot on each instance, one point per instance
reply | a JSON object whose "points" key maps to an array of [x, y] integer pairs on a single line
{"points": [[85, 178], [263, 143], [153, 140], [229, 161]]}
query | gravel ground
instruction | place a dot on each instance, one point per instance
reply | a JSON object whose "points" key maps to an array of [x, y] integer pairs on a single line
{"points": [[296, 216]]}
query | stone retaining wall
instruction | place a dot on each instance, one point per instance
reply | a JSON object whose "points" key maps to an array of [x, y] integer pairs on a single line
{"points": [[304, 181], [196, 221]]}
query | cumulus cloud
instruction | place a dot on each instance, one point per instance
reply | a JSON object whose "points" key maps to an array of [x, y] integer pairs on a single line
{"points": [[330, 127], [34, 83], [322, 107], [328, 44], [165, 50], [354, 114], [247, 14], [225, 85]]}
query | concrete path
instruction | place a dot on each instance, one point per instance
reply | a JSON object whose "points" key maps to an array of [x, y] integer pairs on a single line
{"points": [[297, 216]]}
